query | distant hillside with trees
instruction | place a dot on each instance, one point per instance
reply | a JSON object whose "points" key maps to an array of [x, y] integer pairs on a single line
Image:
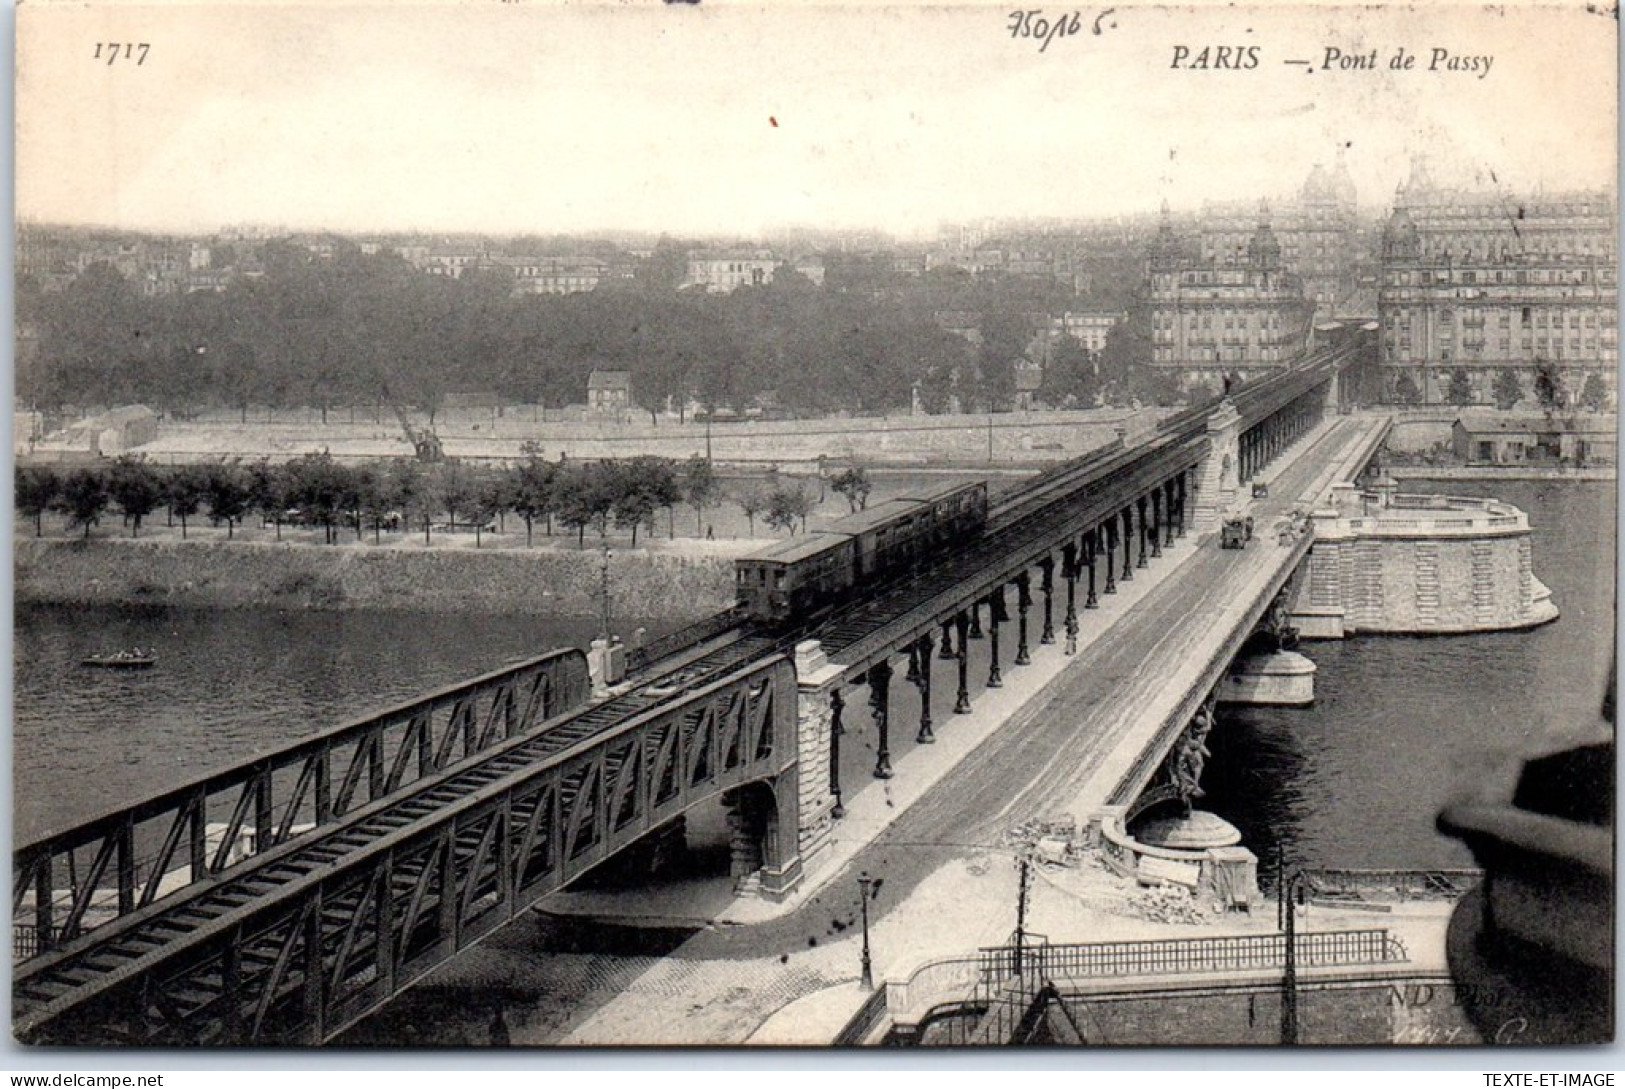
{"points": [[355, 329]]}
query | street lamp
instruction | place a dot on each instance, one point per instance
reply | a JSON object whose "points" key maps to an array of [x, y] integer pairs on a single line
{"points": [[867, 887], [1290, 893], [603, 588]]}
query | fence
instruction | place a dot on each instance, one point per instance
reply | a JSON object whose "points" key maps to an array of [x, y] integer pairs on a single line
{"points": [[863, 1022], [683, 638], [1179, 956], [1010, 999]]}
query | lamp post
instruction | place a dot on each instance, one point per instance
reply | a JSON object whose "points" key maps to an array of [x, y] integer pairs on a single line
{"points": [[1290, 892], [1021, 915], [603, 587], [865, 885]]}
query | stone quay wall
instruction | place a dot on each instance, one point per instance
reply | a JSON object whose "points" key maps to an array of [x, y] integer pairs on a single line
{"points": [[1420, 565], [1005, 438], [554, 582]]}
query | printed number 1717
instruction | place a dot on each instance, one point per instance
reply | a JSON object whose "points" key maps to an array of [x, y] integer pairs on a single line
{"points": [[115, 51]]}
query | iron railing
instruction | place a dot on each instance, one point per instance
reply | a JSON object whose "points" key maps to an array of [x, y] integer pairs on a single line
{"points": [[1181, 956], [683, 638], [294, 946], [1010, 999], [76, 880]]}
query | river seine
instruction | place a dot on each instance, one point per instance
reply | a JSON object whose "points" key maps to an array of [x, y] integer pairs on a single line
{"points": [[1399, 724]]}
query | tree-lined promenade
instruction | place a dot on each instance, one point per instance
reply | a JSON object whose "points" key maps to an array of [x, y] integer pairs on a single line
{"points": [[405, 497]]}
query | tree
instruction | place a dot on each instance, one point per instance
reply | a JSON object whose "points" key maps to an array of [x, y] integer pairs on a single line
{"points": [[854, 484], [700, 487], [533, 491], [1405, 391], [496, 497], [37, 488], [184, 491], [458, 489], [268, 491], [753, 498], [317, 484], [1069, 377], [228, 493], [1594, 393], [1154, 386], [583, 497], [84, 498], [1549, 389], [408, 489], [1128, 350], [1508, 390], [786, 505], [485, 500], [135, 487], [633, 503], [1461, 388], [375, 500]]}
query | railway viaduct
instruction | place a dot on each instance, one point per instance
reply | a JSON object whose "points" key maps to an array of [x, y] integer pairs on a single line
{"points": [[282, 900]]}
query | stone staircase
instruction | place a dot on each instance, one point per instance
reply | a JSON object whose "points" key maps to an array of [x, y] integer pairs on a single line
{"points": [[1366, 580], [1483, 574], [1427, 583]]}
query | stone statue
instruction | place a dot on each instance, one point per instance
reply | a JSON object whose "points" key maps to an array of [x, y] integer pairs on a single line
{"points": [[1191, 757]]}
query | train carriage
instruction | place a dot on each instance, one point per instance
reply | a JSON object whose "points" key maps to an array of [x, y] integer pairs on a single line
{"points": [[804, 574], [886, 535], [956, 509], [796, 577]]}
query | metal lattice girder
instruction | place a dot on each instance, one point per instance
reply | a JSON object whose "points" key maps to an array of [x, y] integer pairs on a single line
{"points": [[296, 945], [72, 881]]}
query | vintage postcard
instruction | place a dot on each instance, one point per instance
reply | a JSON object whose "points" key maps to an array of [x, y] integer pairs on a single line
{"points": [[831, 525]]}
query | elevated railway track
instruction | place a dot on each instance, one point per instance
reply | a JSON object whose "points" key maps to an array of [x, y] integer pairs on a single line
{"points": [[380, 850]]}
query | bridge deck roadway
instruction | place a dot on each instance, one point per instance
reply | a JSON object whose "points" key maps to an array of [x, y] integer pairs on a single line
{"points": [[1039, 746], [1099, 731]]}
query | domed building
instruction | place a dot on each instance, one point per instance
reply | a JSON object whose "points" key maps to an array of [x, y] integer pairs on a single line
{"points": [[1240, 316], [1319, 234]]}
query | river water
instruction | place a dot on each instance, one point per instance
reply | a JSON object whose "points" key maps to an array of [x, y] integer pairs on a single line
{"points": [[1402, 725], [229, 684], [1355, 780]]}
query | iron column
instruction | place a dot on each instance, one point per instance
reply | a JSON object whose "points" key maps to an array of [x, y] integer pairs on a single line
{"points": [[1046, 567], [962, 698], [923, 652], [836, 704], [1139, 510], [1111, 554], [1069, 571], [879, 693], [995, 617], [1024, 601]]}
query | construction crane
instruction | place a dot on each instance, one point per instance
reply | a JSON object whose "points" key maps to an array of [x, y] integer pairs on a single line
{"points": [[425, 443]]}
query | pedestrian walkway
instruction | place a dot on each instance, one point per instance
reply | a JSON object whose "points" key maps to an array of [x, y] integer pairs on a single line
{"points": [[967, 903]]}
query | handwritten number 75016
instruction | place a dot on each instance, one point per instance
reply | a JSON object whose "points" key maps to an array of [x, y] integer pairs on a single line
{"points": [[125, 51]]}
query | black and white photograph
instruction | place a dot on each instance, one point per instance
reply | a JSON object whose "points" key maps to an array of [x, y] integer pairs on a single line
{"points": [[558, 524]]}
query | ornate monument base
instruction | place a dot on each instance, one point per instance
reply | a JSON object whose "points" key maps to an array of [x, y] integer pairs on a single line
{"points": [[1282, 679], [1197, 832]]}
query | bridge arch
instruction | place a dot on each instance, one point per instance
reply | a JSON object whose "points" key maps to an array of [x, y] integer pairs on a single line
{"points": [[756, 827]]}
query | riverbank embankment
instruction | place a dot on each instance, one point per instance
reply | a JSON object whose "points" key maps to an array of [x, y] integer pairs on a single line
{"points": [[563, 583]]}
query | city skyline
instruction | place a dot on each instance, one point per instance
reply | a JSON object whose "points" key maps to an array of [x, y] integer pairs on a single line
{"points": [[737, 123]]}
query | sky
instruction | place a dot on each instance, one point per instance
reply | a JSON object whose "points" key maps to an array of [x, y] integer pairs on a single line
{"points": [[518, 116]]}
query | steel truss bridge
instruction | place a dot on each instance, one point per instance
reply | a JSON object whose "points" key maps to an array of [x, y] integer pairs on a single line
{"points": [[280, 901]]}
